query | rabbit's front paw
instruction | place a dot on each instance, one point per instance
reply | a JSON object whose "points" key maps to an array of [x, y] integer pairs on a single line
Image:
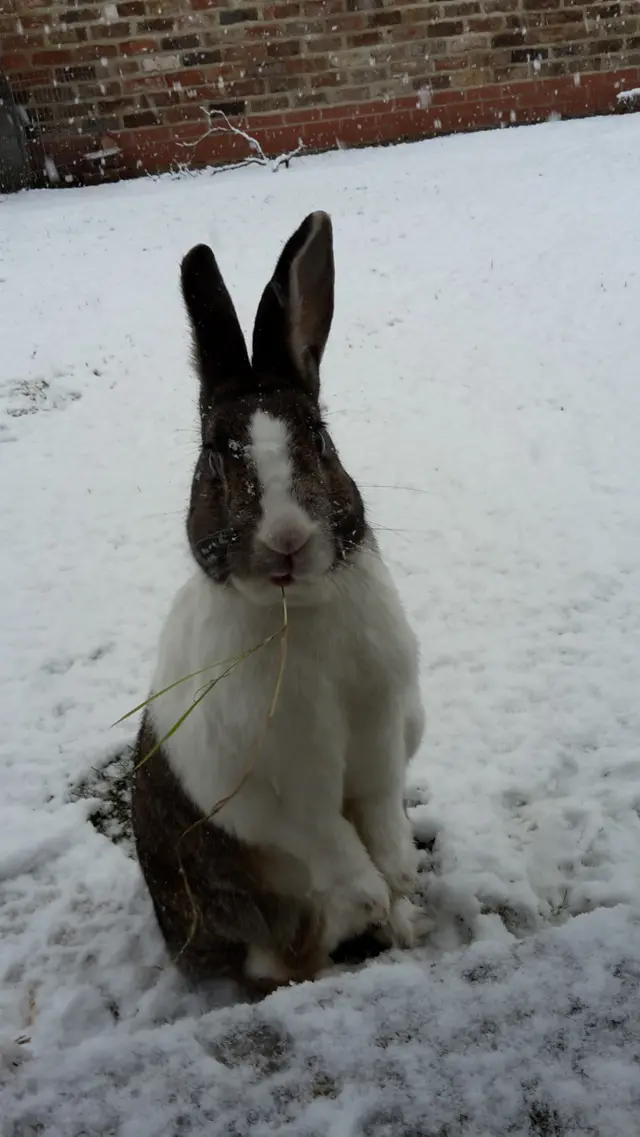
{"points": [[407, 923], [355, 906], [399, 867], [263, 967]]}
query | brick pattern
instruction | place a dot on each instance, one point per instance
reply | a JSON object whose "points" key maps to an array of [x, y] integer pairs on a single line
{"points": [[145, 71]]}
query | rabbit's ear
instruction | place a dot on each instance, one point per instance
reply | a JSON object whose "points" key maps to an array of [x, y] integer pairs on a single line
{"points": [[295, 313], [220, 351]]}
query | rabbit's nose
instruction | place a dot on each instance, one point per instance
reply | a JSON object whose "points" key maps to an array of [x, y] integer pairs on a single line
{"points": [[286, 539]]}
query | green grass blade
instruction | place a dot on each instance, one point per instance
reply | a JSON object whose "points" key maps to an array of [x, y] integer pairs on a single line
{"points": [[233, 661]]}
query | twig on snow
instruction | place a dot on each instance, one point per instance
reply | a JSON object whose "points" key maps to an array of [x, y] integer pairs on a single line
{"points": [[256, 158], [628, 100]]}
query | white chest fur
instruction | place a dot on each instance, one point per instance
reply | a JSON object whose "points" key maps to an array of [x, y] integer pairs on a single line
{"points": [[348, 715]]}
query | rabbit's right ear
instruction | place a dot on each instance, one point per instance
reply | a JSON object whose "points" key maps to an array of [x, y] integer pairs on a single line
{"points": [[295, 313], [220, 350]]}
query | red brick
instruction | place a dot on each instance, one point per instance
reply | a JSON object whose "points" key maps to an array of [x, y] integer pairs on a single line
{"points": [[141, 118], [200, 58], [244, 53], [186, 113], [137, 46], [443, 29], [80, 15], [270, 103], [321, 45], [9, 24], [326, 79], [189, 78], [97, 51], [383, 19], [142, 82], [127, 66], [28, 79], [293, 67], [283, 11], [233, 89], [56, 37], [53, 58], [446, 98], [15, 61], [370, 38], [19, 42], [485, 23], [350, 23], [142, 139], [158, 24], [261, 32], [406, 33], [284, 48], [269, 120], [326, 8], [278, 84], [111, 31], [450, 63]]}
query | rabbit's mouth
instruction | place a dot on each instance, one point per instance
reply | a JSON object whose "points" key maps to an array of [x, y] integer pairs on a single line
{"points": [[300, 589], [282, 579]]}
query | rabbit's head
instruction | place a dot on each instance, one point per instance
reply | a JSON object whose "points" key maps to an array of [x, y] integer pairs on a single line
{"points": [[271, 504]]}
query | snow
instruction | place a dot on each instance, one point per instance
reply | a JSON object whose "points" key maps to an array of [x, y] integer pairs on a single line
{"points": [[482, 386]]}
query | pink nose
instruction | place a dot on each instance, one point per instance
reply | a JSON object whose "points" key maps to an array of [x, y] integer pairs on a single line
{"points": [[287, 539]]}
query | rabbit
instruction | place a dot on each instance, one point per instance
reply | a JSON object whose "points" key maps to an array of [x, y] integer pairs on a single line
{"points": [[315, 847]]}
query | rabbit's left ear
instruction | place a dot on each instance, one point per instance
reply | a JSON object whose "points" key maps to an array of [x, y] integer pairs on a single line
{"points": [[219, 348], [295, 313]]}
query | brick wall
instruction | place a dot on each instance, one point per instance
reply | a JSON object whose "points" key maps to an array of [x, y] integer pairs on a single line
{"points": [[143, 72]]}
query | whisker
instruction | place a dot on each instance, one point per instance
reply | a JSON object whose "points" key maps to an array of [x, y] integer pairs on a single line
{"points": [[165, 513], [409, 489], [392, 529]]}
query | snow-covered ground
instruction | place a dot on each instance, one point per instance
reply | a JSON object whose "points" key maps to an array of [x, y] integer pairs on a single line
{"points": [[483, 386]]}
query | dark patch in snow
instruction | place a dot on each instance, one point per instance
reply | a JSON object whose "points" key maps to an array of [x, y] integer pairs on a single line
{"points": [[27, 396], [110, 784]]}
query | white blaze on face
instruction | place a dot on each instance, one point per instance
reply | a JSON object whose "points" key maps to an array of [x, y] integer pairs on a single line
{"points": [[285, 527]]}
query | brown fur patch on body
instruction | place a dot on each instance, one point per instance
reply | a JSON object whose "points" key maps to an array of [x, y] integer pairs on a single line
{"points": [[213, 895]]}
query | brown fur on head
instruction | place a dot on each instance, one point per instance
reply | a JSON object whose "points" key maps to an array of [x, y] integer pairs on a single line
{"points": [[281, 382]]}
